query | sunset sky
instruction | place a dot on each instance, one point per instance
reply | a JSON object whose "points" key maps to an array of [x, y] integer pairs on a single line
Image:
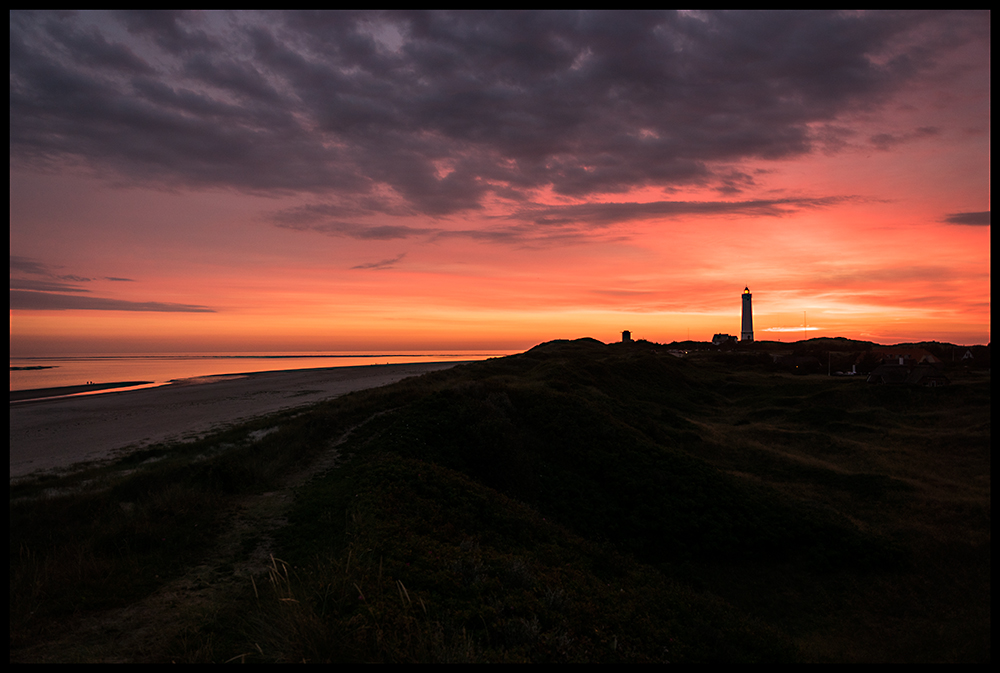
{"points": [[338, 181]]}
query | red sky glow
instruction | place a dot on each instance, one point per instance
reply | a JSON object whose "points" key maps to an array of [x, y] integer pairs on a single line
{"points": [[211, 181]]}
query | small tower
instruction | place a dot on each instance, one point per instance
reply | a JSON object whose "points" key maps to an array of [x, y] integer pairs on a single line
{"points": [[747, 331], [626, 337]]}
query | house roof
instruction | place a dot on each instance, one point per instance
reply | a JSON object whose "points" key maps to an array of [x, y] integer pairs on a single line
{"points": [[927, 376]]}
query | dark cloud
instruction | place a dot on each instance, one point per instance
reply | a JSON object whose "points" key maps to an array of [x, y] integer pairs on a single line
{"points": [[240, 78], [538, 224], [612, 213], [437, 112], [170, 29], [91, 48], [20, 264], [886, 141], [384, 264], [360, 231], [47, 301], [977, 219], [47, 294], [43, 285], [26, 265]]}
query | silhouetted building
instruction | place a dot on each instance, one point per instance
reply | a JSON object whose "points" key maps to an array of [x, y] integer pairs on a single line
{"points": [[720, 339], [901, 374], [747, 329], [905, 355], [925, 375], [626, 336], [889, 375]]}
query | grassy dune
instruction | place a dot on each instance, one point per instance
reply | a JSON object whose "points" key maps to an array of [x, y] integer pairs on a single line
{"points": [[578, 502]]}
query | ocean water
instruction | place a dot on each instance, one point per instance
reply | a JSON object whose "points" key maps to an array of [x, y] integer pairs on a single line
{"points": [[28, 373]]}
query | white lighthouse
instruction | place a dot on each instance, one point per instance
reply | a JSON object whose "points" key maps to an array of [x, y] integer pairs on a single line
{"points": [[747, 332]]}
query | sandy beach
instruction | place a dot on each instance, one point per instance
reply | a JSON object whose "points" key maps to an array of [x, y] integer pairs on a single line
{"points": [[56, 433]]}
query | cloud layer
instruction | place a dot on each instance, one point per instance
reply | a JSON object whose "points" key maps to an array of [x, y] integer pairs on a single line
{"points": [[439, 113], [49, 301], [44, 290], [977, 219]]}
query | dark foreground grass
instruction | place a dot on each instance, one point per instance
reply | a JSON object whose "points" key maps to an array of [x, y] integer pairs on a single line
{"points": [[438, 568], [579, 502]]}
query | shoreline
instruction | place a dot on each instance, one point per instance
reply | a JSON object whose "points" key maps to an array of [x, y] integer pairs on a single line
{"points": [[54, 433], [59, 392], [65, 391]]}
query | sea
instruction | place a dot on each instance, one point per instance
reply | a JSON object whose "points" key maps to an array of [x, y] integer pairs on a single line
{"points": [[29, 373]]}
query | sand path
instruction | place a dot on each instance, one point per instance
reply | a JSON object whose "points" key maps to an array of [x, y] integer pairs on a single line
{"points": [[56, 433]]}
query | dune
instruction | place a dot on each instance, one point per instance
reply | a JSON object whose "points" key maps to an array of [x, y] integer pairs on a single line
{"points": [[55, 433]]}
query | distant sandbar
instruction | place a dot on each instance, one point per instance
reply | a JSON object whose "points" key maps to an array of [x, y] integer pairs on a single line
{"points": [[41, 393]]}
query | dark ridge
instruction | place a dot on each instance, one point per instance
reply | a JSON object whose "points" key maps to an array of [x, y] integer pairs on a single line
{"points": [[580, 501]]}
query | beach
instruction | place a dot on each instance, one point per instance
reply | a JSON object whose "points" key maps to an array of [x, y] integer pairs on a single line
{"points": [[55, 433]]}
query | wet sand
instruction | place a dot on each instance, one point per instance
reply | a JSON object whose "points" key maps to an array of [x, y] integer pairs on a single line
{"points": [[39, 393], [55, 433]]}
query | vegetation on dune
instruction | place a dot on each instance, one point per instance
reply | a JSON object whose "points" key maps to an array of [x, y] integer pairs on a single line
{"points": [[577, 502]]}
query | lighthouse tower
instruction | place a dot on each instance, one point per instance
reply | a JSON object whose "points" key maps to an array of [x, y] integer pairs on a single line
{"points": [[747, 332]]}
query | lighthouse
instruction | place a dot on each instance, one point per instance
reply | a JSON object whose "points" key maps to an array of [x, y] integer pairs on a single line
{"points": [[747, 332]]}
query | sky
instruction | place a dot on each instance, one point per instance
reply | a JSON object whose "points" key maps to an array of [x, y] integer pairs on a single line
{"points": [[324, 181]]}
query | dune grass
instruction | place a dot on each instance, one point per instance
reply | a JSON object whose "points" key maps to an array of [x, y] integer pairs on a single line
{"points": [[578, 502]]}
